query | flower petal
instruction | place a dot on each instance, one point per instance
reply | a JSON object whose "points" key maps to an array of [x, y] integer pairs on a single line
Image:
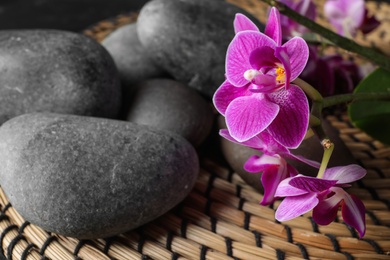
{"points": [[243, 23], [353, 211], [250, 115], [255, 142], [298, 51], [326, 210], [271, 178], [285, 189], [263, 57], [258, 164], [273, 28], [239, 50], [311, 184], [292, 207], [345, 174], [226, 93], [291, 124]]}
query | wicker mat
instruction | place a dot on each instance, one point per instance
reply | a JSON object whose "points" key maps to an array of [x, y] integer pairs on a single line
{"points": [[222, 218]]}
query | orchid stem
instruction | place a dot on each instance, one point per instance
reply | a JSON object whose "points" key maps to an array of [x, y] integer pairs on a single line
{"points": [[353, 97], [345, 43], [328, 150]]}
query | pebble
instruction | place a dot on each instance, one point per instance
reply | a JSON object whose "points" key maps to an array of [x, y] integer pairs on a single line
{"points": [[170, 105], [131, 58], [88, 177], [189, 39], [56, 71]]}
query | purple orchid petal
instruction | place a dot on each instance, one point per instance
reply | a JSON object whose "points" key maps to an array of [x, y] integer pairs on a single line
{"points": [[281, 54], [285, 189], [243, 23], [239, 50], [311, 184], [271, 178], [326, 210], [298, 52], [291, 124], [258, 164], [225, 94], [255, 142], [250, 115], [353, 212], [263, 57], [273, 28], [292, 207], [345, 174], [272, 146]]}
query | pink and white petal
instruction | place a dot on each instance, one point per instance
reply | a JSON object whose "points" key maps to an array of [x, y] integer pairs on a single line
{"points": [[238, 52], [271, 178], [258, 164], [345, 174], [356, 12], [248, 116], [226, 93], [255, 142], [273, 28], [311, 184], [298, 52], [354, 212], [292, 207], [291, 124], [326, 210], [285, 189], [243, 23]]}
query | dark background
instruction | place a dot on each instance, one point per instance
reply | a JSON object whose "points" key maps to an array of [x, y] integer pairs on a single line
{"points": [[72, 15]]}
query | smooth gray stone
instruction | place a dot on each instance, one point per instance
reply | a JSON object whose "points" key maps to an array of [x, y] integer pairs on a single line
{"points": [[236, 155], [131, 58], [170, 105], [89, 177], [56, 71], [189, 39]]}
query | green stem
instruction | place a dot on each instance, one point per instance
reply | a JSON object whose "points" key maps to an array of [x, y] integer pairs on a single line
{"points": [[328, 150], [347, 98], [347, 44]]}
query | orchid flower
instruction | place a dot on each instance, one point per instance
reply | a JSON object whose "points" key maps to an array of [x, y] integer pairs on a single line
{"points": [[257, 95], [345, 15], [323, 196], [303, 7], [271, 163]]}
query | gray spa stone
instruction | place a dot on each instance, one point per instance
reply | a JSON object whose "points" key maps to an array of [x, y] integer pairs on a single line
{"points": [[131, 58], [56, 71], [89, 177], [170, 105], [189, 39]]}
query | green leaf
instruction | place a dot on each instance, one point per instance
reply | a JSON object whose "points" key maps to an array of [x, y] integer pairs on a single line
{"points": [[373, 117]]}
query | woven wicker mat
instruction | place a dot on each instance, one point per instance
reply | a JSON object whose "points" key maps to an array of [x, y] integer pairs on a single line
{"points": [[222, 218]]}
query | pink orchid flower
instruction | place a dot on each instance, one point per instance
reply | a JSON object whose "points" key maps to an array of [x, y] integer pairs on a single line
{"points": [[304, 7], [271, 163], [257, 95], [323, 196], [345, 15]]}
